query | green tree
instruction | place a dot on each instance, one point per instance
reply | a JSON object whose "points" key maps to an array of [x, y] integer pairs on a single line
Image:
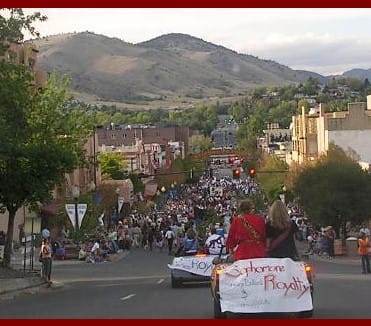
{"points": [[335, 190], [301, 104], [311, 87], [282, 113], [40, 141], [199, 143], [237, 111], [138, 184], [112, 165], [272, 182], [287, 92], [14, 23], [247, 132], [40, 137]]}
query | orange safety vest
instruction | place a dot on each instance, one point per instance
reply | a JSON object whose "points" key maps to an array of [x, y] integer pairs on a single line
{"points": [[363, 246]]}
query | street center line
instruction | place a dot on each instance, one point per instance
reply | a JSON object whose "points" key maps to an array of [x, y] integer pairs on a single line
{"points": [[127, 297]]}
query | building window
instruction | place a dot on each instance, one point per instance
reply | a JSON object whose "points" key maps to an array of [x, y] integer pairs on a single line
{"points": [[312, 126], [113, 136]]}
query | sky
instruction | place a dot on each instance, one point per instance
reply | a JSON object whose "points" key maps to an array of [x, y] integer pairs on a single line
{"points": [[324, 40]]}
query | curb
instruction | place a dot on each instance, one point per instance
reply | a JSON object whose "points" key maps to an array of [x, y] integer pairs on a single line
{"points": [[340, 260], [10, 285], [10, 288]]}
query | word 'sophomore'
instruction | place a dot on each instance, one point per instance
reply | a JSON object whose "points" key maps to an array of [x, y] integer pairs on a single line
{"points": [[265, 285]]}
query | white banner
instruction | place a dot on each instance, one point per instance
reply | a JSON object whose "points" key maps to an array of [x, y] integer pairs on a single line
{"points": [[70, 209], [182, 218], [193, 264], [265, 285], [81, 210], [120, 202]]}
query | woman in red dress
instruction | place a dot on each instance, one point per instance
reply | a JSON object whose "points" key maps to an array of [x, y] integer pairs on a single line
{"points": [[246, 237]]}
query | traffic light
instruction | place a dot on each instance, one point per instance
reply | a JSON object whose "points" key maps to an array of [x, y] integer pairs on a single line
{"points": [[236, 173], [252, 172]]}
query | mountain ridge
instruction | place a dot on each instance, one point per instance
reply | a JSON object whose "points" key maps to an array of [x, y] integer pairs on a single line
{"points": [[172, 68]]}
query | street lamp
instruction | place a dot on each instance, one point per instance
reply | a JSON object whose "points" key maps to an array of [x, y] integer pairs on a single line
{"points": [[76, 195], [117, 202]]}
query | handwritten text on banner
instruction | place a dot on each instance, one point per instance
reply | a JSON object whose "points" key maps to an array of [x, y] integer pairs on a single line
{"points": [[265, 285]]}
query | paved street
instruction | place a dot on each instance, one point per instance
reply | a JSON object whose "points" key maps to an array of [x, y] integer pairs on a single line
{"points": [[138, 286]]}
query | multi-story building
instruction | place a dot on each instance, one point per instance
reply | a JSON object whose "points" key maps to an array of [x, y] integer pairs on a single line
{"points": [[225, 136], [312, 133], [146, 148], [26, 54], [275, 141]]}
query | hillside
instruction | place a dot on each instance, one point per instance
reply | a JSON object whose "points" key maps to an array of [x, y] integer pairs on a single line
{"points": [[358, 73], [173, 68]]}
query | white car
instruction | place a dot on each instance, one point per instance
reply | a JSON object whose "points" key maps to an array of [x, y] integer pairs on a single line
{"points": [[189, 269]]}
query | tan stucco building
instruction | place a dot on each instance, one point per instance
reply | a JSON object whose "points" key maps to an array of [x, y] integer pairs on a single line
{"points": [[313, 132]]}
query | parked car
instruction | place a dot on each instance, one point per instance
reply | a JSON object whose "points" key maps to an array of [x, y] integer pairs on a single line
{"points": [[262, 286]]}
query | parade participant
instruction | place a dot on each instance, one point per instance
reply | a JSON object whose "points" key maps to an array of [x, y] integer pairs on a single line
{"points": [[214, 243], [280, 232], [246, 236], [170, 236], [190, 243]]}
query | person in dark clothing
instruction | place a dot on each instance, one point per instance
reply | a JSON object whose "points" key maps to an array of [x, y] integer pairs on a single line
{"points": [[151, 237], [280, 232], [170, 236], [330, 238], [2, 238], [190, 242]]}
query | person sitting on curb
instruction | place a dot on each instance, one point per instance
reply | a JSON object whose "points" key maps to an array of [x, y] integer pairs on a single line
{"points": [[95, 252]]}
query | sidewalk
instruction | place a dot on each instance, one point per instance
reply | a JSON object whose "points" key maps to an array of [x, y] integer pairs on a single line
{"points": [[31, 282], [342, 259]]}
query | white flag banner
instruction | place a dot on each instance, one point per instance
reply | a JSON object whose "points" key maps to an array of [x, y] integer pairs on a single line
{"points": [[202, 265], [120, 202], [70, 209], [81, 210], [265, 285]]}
